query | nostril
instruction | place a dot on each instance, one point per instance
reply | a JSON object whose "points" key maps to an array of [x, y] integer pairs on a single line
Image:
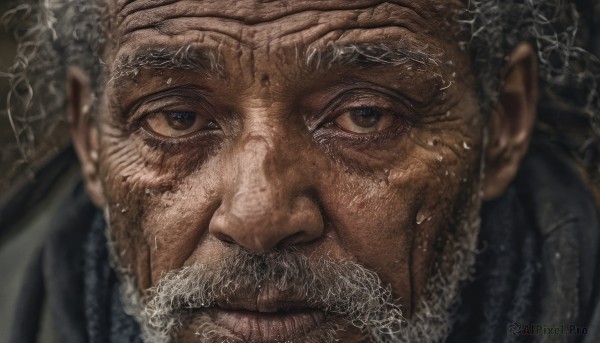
{"points": [[224, 237], [298, 238]]}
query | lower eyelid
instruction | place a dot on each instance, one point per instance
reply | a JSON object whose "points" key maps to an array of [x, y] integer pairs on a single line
{"points": [[198, 139]]}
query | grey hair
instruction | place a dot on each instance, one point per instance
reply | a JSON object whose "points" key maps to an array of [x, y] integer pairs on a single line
{"points": [[54, 34], [51, 35], [562, 31], [185, 58]]}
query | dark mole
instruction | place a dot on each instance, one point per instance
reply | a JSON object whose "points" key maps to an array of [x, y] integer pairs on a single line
{"points": [[264, 80]]}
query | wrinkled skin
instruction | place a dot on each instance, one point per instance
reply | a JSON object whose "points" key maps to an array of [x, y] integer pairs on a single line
{"points": [[278, 167]]}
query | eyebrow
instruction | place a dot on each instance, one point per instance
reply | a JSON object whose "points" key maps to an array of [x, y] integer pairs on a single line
{"points": [[364, 55], [207, 60], [199, 59]]}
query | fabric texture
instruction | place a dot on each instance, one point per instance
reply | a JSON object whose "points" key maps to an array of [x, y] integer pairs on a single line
{"points": [[106, 320], [537, 264], [502, 291], [538, 261]]}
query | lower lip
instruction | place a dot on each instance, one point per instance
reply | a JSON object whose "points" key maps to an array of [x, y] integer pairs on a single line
{"points": [[269, 327]]}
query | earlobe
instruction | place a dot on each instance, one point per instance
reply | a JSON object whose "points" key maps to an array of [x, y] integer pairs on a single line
{"points": [[511, 122], [84, 132]]}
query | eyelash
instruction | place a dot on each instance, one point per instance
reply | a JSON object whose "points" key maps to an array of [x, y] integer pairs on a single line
{"points": [[173, 99], [201, 138], [404, 122]]}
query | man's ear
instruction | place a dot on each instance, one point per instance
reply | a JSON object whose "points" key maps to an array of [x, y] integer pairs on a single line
{"points": [[84, 131], [511, 121]]}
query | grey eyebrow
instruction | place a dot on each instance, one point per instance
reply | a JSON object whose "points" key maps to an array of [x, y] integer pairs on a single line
{"points": [[202, 60], [364, 55]]}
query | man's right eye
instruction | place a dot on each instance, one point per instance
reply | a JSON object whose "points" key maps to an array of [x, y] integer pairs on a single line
{"points": [[176, 124]]}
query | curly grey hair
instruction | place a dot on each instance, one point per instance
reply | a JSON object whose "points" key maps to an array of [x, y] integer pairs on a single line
{"points": [[565, 35], [54, 34]]}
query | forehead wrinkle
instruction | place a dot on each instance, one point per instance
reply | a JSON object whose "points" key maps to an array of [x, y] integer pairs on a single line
{"points": [[203, 60], [247, 12], [402, 18], [257, 11], [174, 20], [125, 7]]}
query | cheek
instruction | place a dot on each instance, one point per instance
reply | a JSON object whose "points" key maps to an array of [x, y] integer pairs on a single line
{"points": [[375, 226], [159, 210], [397, 224], [176, 223]]}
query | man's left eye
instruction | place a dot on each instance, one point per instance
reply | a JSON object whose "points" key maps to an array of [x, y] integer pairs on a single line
{"points": [[176, 124], [364, 120]]}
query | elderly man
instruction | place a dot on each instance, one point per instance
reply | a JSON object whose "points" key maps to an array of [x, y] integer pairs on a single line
{"points": [[318, 171]]}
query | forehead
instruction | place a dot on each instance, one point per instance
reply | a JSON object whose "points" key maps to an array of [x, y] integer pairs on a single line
{"points": [[269, 28]]}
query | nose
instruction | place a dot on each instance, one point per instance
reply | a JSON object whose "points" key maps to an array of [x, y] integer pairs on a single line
{"points": [[268, 204]]}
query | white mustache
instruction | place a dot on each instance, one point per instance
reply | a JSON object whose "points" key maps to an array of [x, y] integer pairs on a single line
{"points": [[341, 288]]}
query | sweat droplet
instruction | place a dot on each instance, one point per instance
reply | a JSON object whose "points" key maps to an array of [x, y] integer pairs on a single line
{"points": [[440, 158], [386, 177], [435, 141], [421, 218], [466, 146], [169, 81]]}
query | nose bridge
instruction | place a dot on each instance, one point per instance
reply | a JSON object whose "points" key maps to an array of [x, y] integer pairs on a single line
{"points": [[257, 184], [267, 204]]}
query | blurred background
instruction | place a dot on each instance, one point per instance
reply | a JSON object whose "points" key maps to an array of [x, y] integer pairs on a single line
{"points": [[18, 246], [7, 53]]}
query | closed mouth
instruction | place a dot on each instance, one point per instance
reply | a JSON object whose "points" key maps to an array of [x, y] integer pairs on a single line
{"points": [[272, 326], [270, 317]]}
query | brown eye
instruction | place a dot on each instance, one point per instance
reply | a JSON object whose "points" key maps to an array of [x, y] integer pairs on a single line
{"points": [[365, 120], [180, 120], [178, 124]]}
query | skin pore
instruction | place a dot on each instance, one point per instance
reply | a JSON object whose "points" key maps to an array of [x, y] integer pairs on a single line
{"points": [[228, 127]]}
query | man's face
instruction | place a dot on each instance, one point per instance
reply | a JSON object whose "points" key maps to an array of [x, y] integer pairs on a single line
{"points": [[338, 130]]}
